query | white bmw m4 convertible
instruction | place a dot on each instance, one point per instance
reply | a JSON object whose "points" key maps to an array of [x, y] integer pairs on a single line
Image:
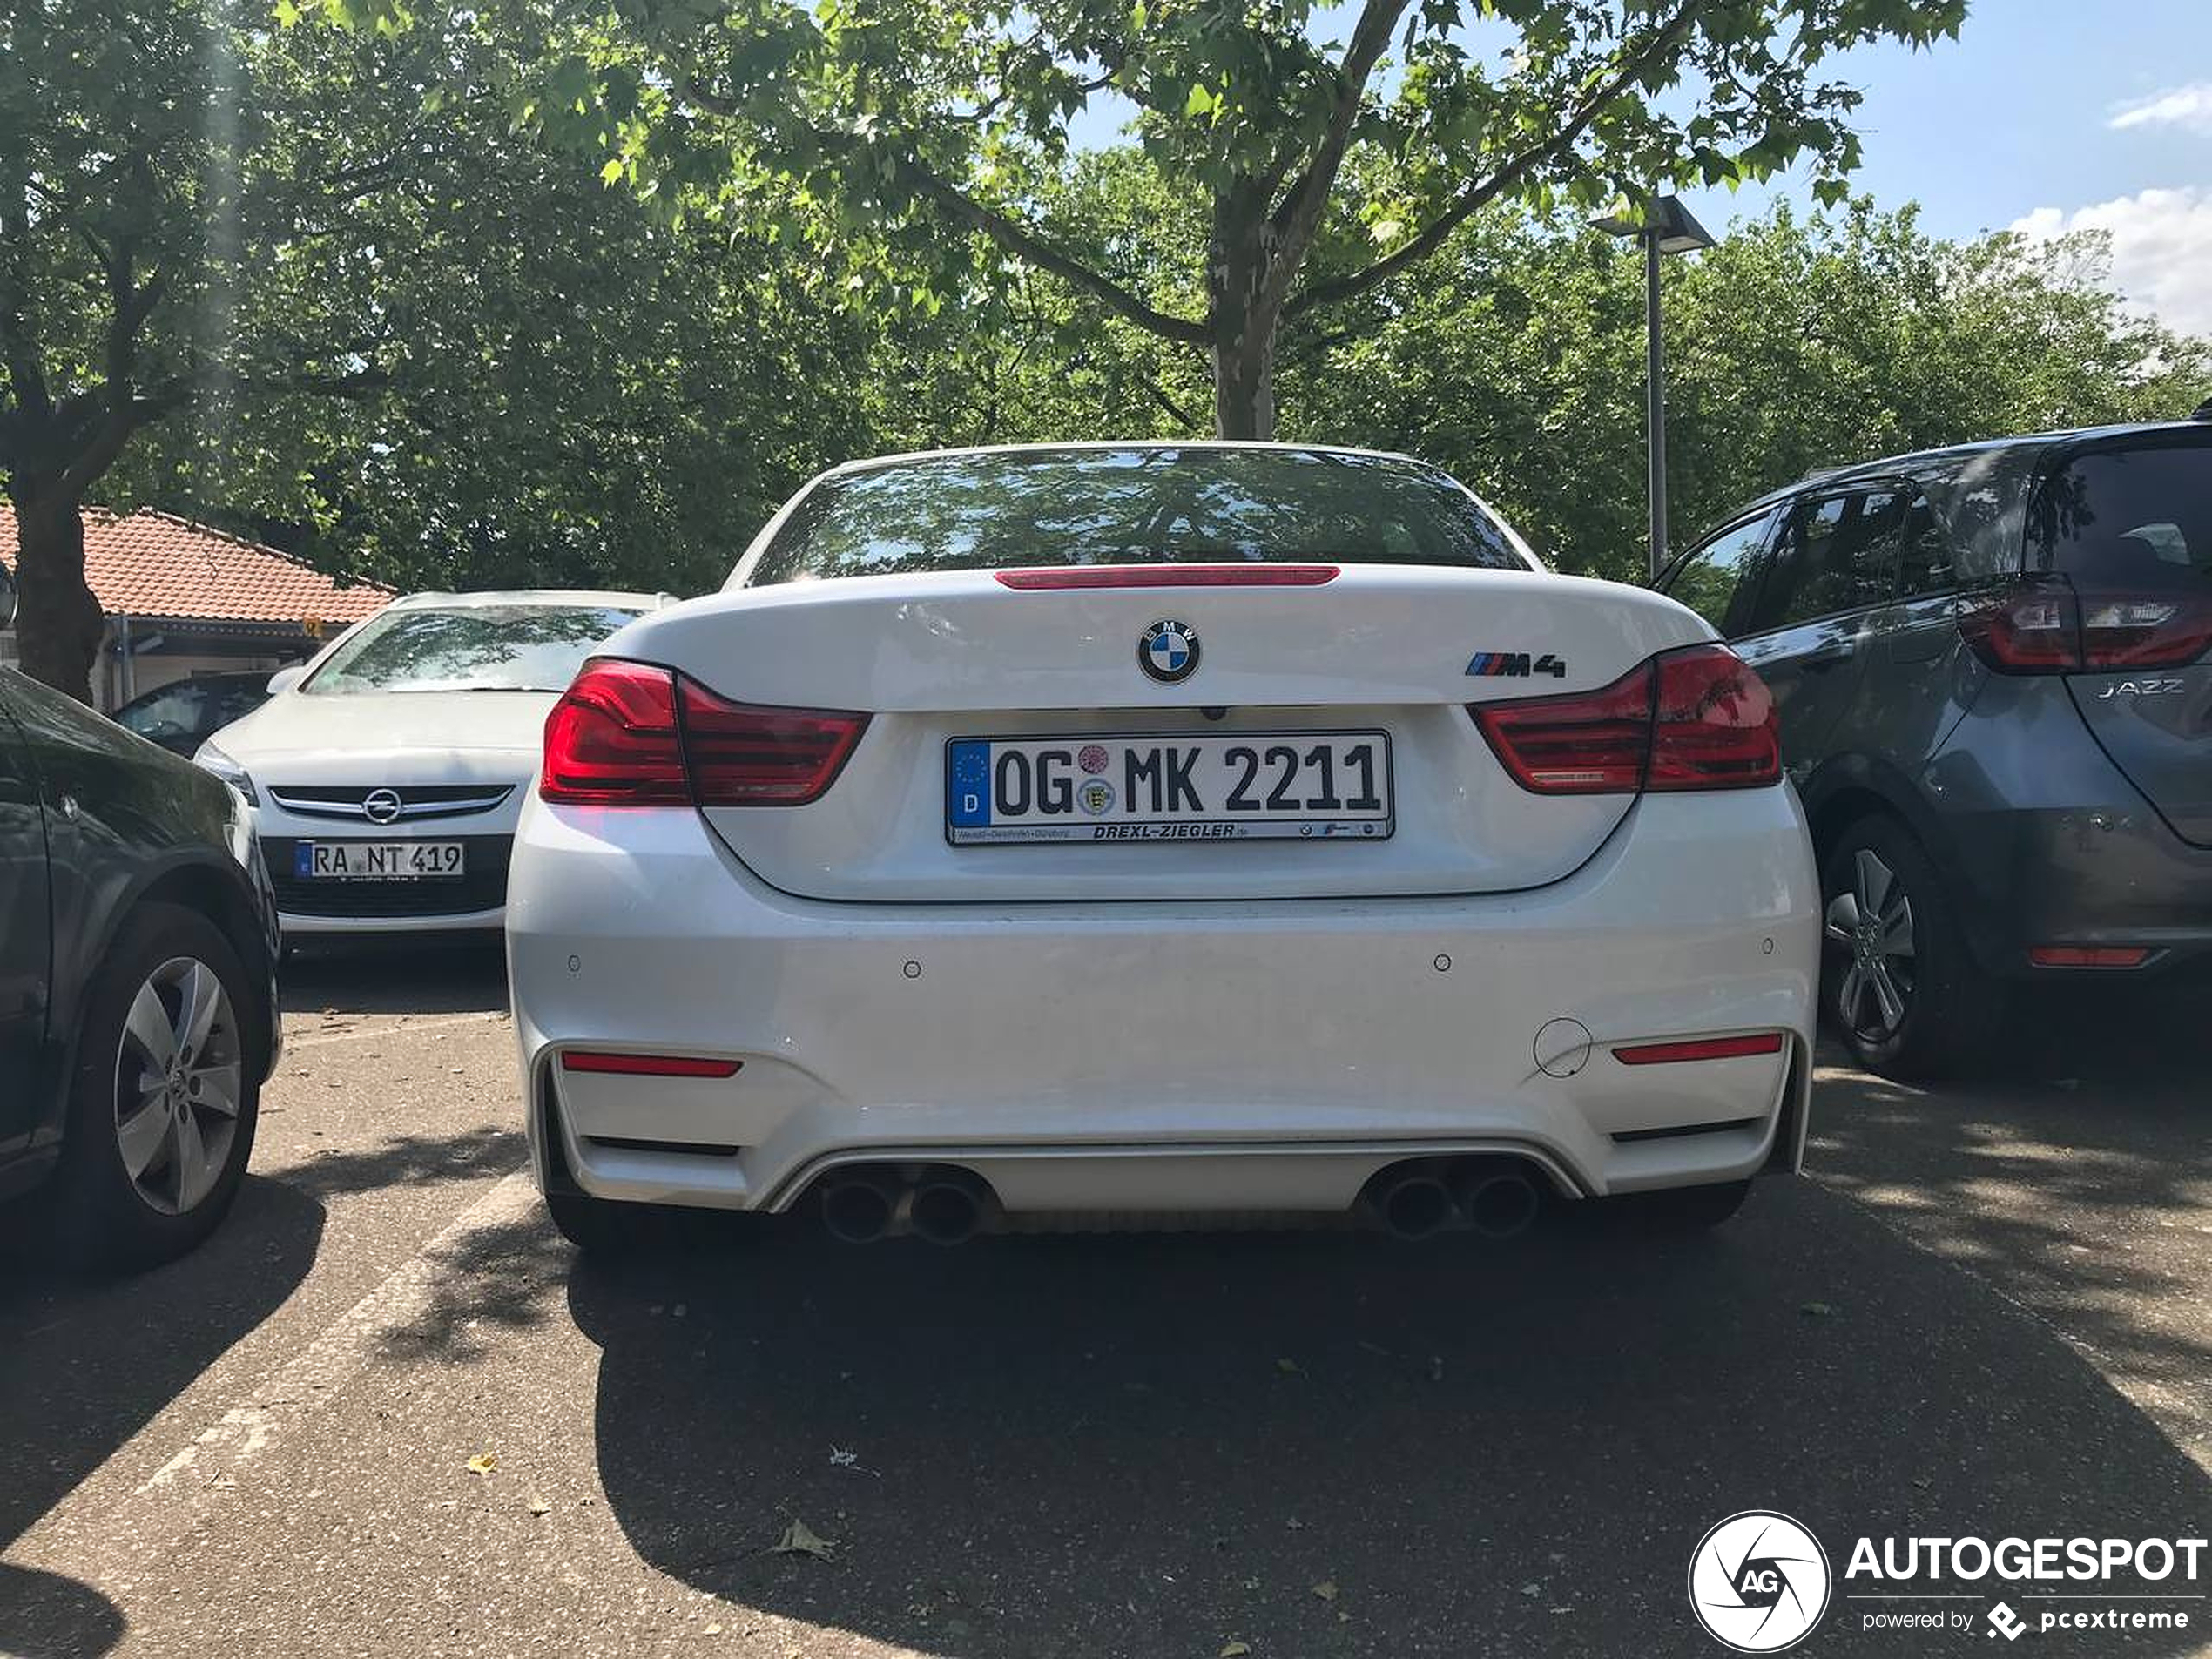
{"points": [[1114, 835]]}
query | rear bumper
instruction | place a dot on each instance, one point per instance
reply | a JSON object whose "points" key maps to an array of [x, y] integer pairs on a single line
{"points": [[2059, 848], [1264, 1055]]}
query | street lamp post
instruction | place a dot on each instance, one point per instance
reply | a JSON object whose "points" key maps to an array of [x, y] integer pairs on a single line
{"points": [[1666, 228]]}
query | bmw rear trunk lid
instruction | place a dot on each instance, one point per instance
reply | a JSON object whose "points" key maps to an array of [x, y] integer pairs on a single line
{"points": [[1058, 720]]}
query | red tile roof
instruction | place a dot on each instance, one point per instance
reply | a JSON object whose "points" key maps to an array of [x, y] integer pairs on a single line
{"points": [[155, 564]]}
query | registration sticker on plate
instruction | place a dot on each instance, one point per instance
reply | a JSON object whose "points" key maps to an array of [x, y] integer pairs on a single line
{"points": [[377, 860], [1237, 785]]}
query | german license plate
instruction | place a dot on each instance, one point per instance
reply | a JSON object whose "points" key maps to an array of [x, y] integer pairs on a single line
{"points": [[1243, 786], [377, 860]]}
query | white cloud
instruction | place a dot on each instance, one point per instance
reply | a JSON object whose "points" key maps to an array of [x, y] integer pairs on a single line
{"points": [[2162, 249], [2187, 106]]}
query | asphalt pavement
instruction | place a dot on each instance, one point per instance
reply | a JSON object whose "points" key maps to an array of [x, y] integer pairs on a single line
{"points": [[387, 1412]]}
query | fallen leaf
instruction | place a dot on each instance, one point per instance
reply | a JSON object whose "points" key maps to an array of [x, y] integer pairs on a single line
{"points": [[800, 1539], [1289, 1367], [1817, 1310], [1235, 1649], [1326, 1589], [483, 1463]]}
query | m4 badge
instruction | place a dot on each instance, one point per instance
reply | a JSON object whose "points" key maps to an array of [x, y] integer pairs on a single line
{"points": [[1516, 665]]}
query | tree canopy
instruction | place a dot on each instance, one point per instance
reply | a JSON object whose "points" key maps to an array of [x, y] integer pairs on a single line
{"points": [[365, 295], [933, 128]]}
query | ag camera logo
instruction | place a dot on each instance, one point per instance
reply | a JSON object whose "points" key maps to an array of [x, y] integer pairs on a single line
{"points": [[1758, 1581]]}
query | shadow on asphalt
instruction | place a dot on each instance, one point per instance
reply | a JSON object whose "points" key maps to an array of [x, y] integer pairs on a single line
{"points": [[1319, 1444], [89, 1363], [2073, 1177], [48, 1609], [416, 975]]}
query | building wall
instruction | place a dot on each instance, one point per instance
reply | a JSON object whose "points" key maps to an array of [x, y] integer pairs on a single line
{"points": [[114, 684]]}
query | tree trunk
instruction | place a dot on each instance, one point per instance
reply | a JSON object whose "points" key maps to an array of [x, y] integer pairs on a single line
{"points": [[57, 621], [1242, 319], [1243, 382]]}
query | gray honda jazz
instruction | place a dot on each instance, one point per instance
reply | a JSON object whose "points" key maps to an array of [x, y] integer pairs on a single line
{"points": [[1993, 669]]}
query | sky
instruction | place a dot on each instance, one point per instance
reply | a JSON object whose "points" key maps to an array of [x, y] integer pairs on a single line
{"points": [[2044, 116]]}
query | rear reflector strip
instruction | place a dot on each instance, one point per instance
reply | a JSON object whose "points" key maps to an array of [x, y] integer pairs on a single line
{"points": [[648, 1065], [1169, 575], [2089, 955], [669, 1149], [1668, 1054], [1726, 1126]]}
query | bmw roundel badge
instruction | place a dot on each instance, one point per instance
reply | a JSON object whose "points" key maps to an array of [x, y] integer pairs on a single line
{"points": [[1169, 652]]}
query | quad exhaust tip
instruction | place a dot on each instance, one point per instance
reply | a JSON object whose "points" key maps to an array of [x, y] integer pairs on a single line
{"points": [[943, 1206], [1491, 1197]]}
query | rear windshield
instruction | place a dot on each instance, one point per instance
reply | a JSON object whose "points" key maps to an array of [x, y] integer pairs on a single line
{"points": [[2139, 516], [474, 648], [1152, 506]]}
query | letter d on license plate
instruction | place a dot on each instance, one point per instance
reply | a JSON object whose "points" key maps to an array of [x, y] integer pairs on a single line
{"points": [[1183, 787]]}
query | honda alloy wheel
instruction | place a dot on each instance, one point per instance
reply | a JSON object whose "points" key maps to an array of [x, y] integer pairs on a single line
{"points": [[1898, 979], [1870, 923]]}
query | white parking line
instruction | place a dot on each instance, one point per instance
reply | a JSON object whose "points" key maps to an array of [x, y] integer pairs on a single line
{"points": [[177, 1494], [405, 1028]]}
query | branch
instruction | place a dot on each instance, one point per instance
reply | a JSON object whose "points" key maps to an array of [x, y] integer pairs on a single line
{"points": [[1515, 168], [1011, 235], [1024, 243], [1176, 413], [25, 375], [1299, 214]]}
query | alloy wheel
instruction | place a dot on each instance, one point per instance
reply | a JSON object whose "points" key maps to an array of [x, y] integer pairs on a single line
{"points": [[179, 1073], [1871, 922]]}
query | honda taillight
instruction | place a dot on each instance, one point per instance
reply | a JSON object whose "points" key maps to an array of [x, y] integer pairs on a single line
{"points": [[632, 734], [2044, 626], [1695, 718]]}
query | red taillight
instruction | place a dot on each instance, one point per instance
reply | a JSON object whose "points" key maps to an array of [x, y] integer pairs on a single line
{"points": [[2144, 629], [1169, 575], [611, 739], [1695, 718], [647, 1065], [2089, 955], [1668, 1054], [2043, 626], [740, 755], [631, 734]]}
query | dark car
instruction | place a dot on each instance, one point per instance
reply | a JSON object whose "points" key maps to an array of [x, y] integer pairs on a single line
{"points": [[1993, 669], [137, 995], [185, 713]]}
